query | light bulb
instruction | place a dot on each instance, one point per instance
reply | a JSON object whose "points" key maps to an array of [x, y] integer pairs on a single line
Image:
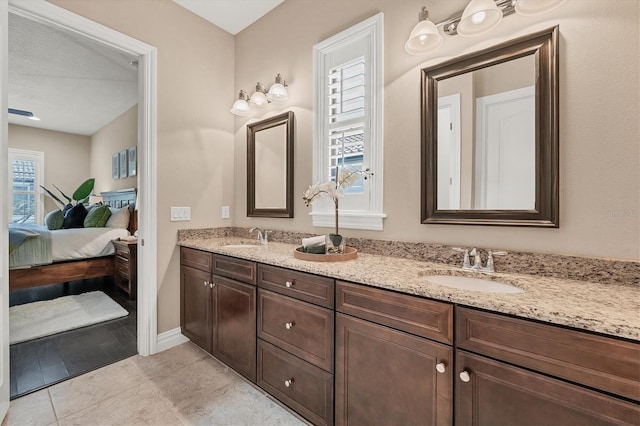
{"points": [[479, 17]]}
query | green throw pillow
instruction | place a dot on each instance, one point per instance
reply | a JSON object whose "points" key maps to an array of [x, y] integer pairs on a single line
{"points": [[97, 217], [54, 220]]}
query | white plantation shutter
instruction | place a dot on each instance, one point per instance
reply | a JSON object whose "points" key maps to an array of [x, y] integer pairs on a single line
{"points": [[348, 122], [26, 169]]}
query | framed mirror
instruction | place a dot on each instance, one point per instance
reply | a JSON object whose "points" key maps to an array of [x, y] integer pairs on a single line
{"points": [[270, 167], [489, 135]]}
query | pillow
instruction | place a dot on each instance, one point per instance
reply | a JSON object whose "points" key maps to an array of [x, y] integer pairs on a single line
{"points": [[74, 218], [119, 218], [94, 206], [54, 220], [97, 217]]}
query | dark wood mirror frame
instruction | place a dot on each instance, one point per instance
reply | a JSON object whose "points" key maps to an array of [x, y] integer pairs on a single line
{"points": [[285, 119], [544, 46]]}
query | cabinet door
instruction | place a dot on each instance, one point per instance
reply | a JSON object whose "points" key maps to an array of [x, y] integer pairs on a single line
{"points": [[234, 325], [388, 377], [195, 306], [494, 393]]}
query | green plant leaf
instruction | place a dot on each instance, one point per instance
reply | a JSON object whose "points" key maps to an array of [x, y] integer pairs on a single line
{"points": [[58, 200], [84, 190], [63, 194]]}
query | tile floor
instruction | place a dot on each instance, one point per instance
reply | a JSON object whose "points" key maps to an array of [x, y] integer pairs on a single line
{"points": [[41, 362], [180, 386]]}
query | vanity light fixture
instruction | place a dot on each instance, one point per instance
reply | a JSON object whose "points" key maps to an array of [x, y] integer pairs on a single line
{"points": [[23, 113], [277, 93], [424, 37], [241, 106], [479, 17], [259, 97]]}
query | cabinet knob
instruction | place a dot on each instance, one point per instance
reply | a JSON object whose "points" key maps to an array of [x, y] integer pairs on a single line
{"points": [[465, 376], [289, 382], [288, 284], [211, 285], [206, 283], [289, 325], [441, 367]]}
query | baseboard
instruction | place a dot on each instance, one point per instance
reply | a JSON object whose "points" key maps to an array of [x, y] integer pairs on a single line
{"points": [[169, 339]]}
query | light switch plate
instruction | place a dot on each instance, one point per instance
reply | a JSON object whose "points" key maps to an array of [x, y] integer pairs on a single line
{"points": [[225, 212], [180, 214]]}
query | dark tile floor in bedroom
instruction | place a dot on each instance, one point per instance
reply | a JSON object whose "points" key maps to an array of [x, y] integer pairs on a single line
{"points": [[42, 362]]}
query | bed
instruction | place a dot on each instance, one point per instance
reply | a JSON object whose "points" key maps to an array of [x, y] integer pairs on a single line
{"points": [[76, 254]]}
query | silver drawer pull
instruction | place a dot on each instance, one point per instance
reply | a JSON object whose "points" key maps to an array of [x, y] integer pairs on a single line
{"points": [[288, 284], [289, 382], [289, 325], [441, 367], [465, 376]]}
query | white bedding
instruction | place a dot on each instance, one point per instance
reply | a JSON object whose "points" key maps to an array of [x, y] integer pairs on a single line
{"points": [[80, 243]]}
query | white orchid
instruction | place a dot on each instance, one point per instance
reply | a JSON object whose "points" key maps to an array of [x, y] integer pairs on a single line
{"points": [[335, 190], [346, 177]]}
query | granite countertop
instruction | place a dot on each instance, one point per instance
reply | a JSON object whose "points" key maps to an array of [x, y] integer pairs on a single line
{"points": [[612, 309]]}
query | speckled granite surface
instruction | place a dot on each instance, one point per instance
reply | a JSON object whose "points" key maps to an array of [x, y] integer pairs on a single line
{"points": [[611, 308], [602, 271]]}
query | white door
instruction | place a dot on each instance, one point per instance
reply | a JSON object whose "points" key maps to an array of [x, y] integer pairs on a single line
{"points": [[448, 153], [4, 217], [505, 150]]}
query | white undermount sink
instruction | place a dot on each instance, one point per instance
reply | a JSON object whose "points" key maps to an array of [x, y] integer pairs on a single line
{"points": [[240, 246], [473, 284]]}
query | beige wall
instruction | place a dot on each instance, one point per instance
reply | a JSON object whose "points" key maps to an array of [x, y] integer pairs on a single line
{"points": [[121, 133], [195, 130], [599, 110], [66, 158]]}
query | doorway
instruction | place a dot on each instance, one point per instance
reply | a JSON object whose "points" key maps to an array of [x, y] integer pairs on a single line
{"points": [[147, 247]]}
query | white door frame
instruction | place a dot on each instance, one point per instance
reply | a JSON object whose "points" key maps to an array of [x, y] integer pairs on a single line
{"points": [[44, 12], [452, 103]]}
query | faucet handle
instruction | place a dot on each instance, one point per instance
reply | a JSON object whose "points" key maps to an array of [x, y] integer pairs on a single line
{"points": [[497, 253], [461, 250]]}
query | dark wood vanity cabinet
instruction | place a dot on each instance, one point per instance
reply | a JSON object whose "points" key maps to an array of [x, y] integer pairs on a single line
{"points": [[386, 375], [513, 371], [344, 353], [218, 311], [296, 340]]}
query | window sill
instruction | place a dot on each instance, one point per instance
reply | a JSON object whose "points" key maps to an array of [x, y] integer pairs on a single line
{"points": [[350, 220]]}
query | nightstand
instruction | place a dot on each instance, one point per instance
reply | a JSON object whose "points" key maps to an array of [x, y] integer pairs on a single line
{"points": [[126, 276]]}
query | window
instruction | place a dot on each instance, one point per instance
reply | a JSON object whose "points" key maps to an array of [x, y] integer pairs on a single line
{"points": [[348, 122], [26, 170]]}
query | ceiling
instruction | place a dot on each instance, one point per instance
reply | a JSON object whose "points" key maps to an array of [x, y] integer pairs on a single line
{"points": [[231, 15], [77, 85], [72, 83]]}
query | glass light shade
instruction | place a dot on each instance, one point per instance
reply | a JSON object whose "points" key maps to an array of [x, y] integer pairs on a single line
{"points": [[259, 100], [533, 7], [241, 108], [479, 17], [423, 38], [278, 93]]}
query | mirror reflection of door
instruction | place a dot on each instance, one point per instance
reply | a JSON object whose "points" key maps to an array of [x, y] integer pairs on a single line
{"points": [[486, 138], [449, 152], [271, 168]]}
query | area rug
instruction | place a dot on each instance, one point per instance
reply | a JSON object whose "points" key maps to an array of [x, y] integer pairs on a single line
{"points": [[39, 319]]}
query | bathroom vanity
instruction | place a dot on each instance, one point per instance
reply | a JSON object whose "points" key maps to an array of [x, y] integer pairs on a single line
{"points": [[370, 341]]}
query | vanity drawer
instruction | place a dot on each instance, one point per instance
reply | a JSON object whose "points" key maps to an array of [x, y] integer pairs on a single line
{"points": [[237, 269], [301, 328], [604, 363], [302, 386], [197, 259], [303, 286], [426, 318]]}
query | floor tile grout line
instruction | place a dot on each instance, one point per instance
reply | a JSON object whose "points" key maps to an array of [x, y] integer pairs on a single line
{"points": [[53, 407], [99, 400]]}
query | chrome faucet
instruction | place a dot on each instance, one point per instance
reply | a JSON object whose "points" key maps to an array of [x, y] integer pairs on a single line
{"points": [[477, 259], [262, 235]]}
